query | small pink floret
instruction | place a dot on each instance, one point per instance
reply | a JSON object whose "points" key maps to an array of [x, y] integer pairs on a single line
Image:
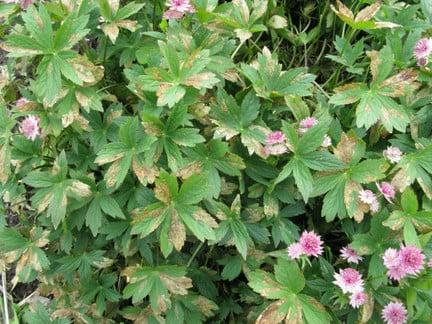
{"points": [[394, 313]]}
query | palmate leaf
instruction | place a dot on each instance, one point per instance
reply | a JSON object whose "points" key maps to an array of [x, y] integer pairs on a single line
{"points": [[213, 158], [53, 189], [415, 166], [176, 212], [131, 143], [232, 119], [305, 157], [55, 46], [363, 19], [159, 283], [285, 286], [375, 102], [172, 135], [341, 188], [232, 229], [269, 81]]}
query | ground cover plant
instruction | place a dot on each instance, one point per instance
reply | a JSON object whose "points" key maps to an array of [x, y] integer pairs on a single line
{"points": [[209, 161]]}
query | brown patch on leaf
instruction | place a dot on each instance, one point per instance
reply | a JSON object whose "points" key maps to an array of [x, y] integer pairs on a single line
{"points": [[177, 231], [345, 149], [271, 314]]}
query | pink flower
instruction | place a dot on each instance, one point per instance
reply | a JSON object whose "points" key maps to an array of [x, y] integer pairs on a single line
{"points": [[411, 259], [394, 313], [180, 6], [276, 149], [393, 154], [24, 3], [392, 262], [423, 48], [422, 61], [349, 280], [367, 196], [396, 273], [387, 190], [307, 123], [374, 206], [326, 141], [172, 14], [391, 258], [295, 250], [29, 127], [21, 102], [177, 8], [311, 243], [357, 299], [275, 138], [350, 255]]}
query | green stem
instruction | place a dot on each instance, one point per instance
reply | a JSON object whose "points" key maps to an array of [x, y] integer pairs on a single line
{"points": [[194, 254]]}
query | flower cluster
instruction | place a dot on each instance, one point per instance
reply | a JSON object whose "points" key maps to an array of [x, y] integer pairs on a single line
{"points": [[275, 144], [178, 8], [310, 244], [369, 198], [422, 51], [350, 255], [29, 127], [406, 261], [351, 282], [393, 154], [394, 313], [306, 124]]}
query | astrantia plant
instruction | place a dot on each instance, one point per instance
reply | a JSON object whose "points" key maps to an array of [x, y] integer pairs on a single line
{"points": [[204, 161]]}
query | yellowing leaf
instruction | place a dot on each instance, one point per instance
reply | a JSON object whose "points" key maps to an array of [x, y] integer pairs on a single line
{"points": [[177, 231], [368, 13], [345, 148], [272, 313], [111, 30], [145, 174]]}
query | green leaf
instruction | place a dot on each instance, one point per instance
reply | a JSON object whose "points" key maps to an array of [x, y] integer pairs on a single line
{"points": [[369, 170], [94, 216], [410, 234], [303, 178], [409, 201], [288, 274], [110, 206], [240, 236], [313, 311], [193, 190]]}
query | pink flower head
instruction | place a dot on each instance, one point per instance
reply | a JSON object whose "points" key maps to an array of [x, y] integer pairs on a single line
{"points": [[367, 196], [311, 243], [422, 61], [29, 127], [349, 280], [391, 258], [393, 264], [423, 48], [172, 14], [387, 190], [326, 141], [275, 138], [307, 123], [350, 255], [393, 154], [177, 8], [411, 259], [276, 149], [374, 206], [24, 3], [21, 102], [357, 299], [295, 250], [394, 313], [396, 273]]}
